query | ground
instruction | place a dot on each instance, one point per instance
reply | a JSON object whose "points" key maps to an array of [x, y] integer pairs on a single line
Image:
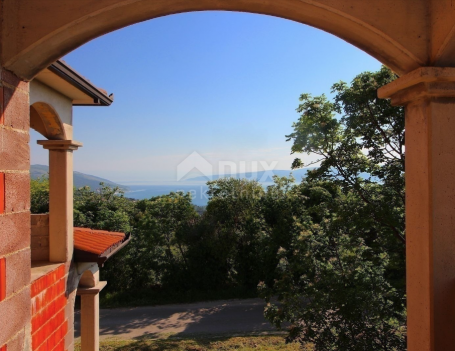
{"points": [[233, 317], [206, 326], [252, 343]]}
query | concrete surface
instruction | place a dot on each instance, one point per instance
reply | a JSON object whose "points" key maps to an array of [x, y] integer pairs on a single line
{"points": [[218, 317]]}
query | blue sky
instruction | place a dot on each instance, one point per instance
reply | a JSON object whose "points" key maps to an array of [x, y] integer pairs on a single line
{"points": [[223, 84]]}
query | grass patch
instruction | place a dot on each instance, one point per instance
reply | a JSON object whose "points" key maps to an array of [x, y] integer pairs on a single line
{"points": [[250, 343], [153, 297]]}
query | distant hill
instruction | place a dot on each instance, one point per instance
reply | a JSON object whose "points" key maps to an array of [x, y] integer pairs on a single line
{"points": [[263, 176], [80, 179]]}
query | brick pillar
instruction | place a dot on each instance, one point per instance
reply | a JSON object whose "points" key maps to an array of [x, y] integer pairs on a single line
{"points": [[14, 212]]}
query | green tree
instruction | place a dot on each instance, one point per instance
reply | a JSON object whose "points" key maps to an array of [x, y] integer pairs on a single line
{"points": [[359, 139], [281, 206], [161, 252], [39, 195], [225, 244], [107, 209], [341, 281]]}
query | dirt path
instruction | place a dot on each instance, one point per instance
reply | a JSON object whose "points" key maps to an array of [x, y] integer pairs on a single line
{"points": [[219, 317]]}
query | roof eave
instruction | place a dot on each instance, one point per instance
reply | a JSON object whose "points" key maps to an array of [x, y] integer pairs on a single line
{"points": [[65, 72], [85, 256]]}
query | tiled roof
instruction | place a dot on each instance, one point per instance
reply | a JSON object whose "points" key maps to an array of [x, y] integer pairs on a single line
{"points": [[96, 241]]}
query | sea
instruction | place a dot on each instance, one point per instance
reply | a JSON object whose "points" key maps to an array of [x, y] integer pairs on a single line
{"points": [[198, 191]]}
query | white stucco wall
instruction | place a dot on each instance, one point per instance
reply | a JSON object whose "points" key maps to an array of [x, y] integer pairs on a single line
{"points": [[40, 92]]}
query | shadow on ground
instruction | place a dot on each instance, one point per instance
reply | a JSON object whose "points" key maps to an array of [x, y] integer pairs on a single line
{"points": [[215, 318]]}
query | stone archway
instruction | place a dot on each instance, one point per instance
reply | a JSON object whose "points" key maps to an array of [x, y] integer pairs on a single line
{"points": [[395, 32], [416, 38]]}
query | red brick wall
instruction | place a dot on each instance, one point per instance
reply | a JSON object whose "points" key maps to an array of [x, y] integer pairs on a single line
{"points": [[49, 323], [14, 212]]}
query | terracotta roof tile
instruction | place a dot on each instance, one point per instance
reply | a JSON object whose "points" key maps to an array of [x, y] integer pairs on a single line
{"points": [[96, 241]]}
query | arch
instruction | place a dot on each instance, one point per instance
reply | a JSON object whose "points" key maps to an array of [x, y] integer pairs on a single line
{"points": [[89, 278], [375, 28], [46, 121], [81, 274]]}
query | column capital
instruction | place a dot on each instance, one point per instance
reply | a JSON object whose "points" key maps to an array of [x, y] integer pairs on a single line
{"points": [[91, 291], [422, 83], [69, 145]]}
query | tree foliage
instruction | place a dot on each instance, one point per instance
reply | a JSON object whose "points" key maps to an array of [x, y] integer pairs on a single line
{"points": [[359, 139], [105, 208], [39, 195], [341, 281]]}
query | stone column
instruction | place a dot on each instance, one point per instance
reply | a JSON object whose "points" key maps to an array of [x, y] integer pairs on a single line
{"points": [[428, 95], [90, 320], [60, 198]]}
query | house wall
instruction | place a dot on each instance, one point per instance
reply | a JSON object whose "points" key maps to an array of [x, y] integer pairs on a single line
{"points": [[53, 293], [36, 299], [14, 213], [49, 310]]}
